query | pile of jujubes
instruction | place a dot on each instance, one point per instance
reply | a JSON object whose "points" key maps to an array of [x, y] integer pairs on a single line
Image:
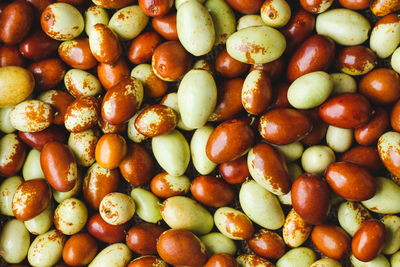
{"points": [[216, 133]]}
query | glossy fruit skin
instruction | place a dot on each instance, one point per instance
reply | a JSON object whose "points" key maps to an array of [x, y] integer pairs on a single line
{"points": [[212, 191], [257, 97], [142, 238], [235, 171], [142, 47], [365, 156], [105, 232], [137, 166], [59, 166], [181, 247], [280, 96], [355, 4], [315, 54], [40, 5], [156, 120], [395, 117], [229, 140], [229, 67], [10, 56], [228, 100], [274, 69], [350, 181], [15, 22], [331, 240], [356, 60], [30, 199], [266, 161], [60, 102], [368, 241], [246, 6], [267, 244], [221, 260], [147, 261], [370, 132], [348, 110], [121, 101], [319, 129], [162, 187], [12, 156], [38, 46], [282, 126], [97, 183], [311, 198], [155, 8], [383, 7], [110, 150], [166, 26], [316, 6], [79, 250], [48, 73], [170, 61], [109, 48], [111, 74], [39, 139], [381, 86], [82, 114], [77, 54], [298, 29]]}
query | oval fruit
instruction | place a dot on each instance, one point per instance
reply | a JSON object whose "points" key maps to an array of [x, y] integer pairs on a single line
{"points": [[233, 223], [82, 114], [261, 206], [192, 251], [195, 28], [331, 240], [30, 199], [172, 152], [142, 238], [156, 120], [122, 101], [315, 54], [31, 116], [59, 166], [70, 216], [282, 126], [268, 168], [46, 249], [117, 208], [16, 84], [117, 255], [14, 241], [165, 185], [310, 90], [137, 165], [267, 244], [344, 26], [62, 21], [346, 110], [350, 181], [104, 44], [311, 198], [229, 141], [184, 213], [368, 241], [197, 97], [80, 249], [212, 191], [256, 45]]}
